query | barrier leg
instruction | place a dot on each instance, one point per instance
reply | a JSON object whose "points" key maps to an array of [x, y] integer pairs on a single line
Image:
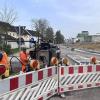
{"points": [[60, 94]]}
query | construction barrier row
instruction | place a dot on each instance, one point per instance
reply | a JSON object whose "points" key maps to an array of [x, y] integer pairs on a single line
{"points": [[44, 83], [36, 79]]}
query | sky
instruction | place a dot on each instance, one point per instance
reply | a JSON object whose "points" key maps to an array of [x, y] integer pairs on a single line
{"points": [[69, 16]]}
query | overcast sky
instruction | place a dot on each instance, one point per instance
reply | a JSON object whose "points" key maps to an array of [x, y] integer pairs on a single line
{"points": [[69, 16]]}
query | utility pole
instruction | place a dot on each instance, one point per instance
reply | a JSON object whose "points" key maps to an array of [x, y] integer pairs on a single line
{"points": [[19, 39]]}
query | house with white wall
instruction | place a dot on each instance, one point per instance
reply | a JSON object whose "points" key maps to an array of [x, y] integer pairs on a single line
{"points": [[13, 36]]}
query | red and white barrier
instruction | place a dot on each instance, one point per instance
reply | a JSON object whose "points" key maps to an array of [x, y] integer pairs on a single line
{"points": [[78, 77], [64, 70], [42, 84], [23, 81]]}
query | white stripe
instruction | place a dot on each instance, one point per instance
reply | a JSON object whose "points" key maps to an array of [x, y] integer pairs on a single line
{"points": [[26, 93], [91, 76], [35, 77], [83, 78], [45, 73], [22, 80], [49, 85], [19, 94], [13, 96], [66, 83], [42, 86], [79, 79], [4, 86], [87, 76], [74, 79], [53, 85], [54, 70], [36, 91], [44, 89], [31, 93], [93, 80]]}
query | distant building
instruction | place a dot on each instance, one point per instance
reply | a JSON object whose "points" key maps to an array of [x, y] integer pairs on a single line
{"points": [[86, 33], [84, 36], [95, 38]]}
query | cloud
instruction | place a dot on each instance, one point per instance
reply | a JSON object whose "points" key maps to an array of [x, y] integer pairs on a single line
{"points": [[79, 10]]}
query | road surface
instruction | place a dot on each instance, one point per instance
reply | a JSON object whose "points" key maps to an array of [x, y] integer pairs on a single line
{"points": [[88, 94]]}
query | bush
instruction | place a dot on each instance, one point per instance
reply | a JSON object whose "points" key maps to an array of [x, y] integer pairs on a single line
{"points": [[15, 50], [7, 49]]}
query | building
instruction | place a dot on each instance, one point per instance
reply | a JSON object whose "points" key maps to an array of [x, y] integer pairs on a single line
{"points": [[95, 38], [11, 34], [84, 37], [5, 37], [24, 35]]}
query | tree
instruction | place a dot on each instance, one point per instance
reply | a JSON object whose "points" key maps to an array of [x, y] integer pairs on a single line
{"points": [[59, 37], [9, 16], [40, 26], [49, 34], [4, 27]]}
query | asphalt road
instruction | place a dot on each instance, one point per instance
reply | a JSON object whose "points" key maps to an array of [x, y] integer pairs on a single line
{"points": [[67, 51], [87, 94]]}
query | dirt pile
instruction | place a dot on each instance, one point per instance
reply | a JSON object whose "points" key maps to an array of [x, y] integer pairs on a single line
{"points": [[93, 46]]}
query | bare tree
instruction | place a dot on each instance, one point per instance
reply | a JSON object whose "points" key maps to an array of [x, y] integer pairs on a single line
{"points": [[40, 25], [8, 15]]}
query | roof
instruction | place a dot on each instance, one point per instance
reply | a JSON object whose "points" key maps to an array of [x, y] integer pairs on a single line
{"points": [[22, 30], [11, 28], [8, 37], [33, 33], [16, 29], [4, 26]]}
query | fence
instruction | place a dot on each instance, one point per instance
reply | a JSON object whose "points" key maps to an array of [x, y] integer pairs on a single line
{"points": [[78, 77], [42, 84], [36, 85]]}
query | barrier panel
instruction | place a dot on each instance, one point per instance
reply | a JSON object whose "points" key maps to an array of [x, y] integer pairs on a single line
{"points": [[78, 77], [35, 85]]}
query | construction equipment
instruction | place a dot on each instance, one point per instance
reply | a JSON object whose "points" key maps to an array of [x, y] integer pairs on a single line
{"points": [[45, 52]]}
